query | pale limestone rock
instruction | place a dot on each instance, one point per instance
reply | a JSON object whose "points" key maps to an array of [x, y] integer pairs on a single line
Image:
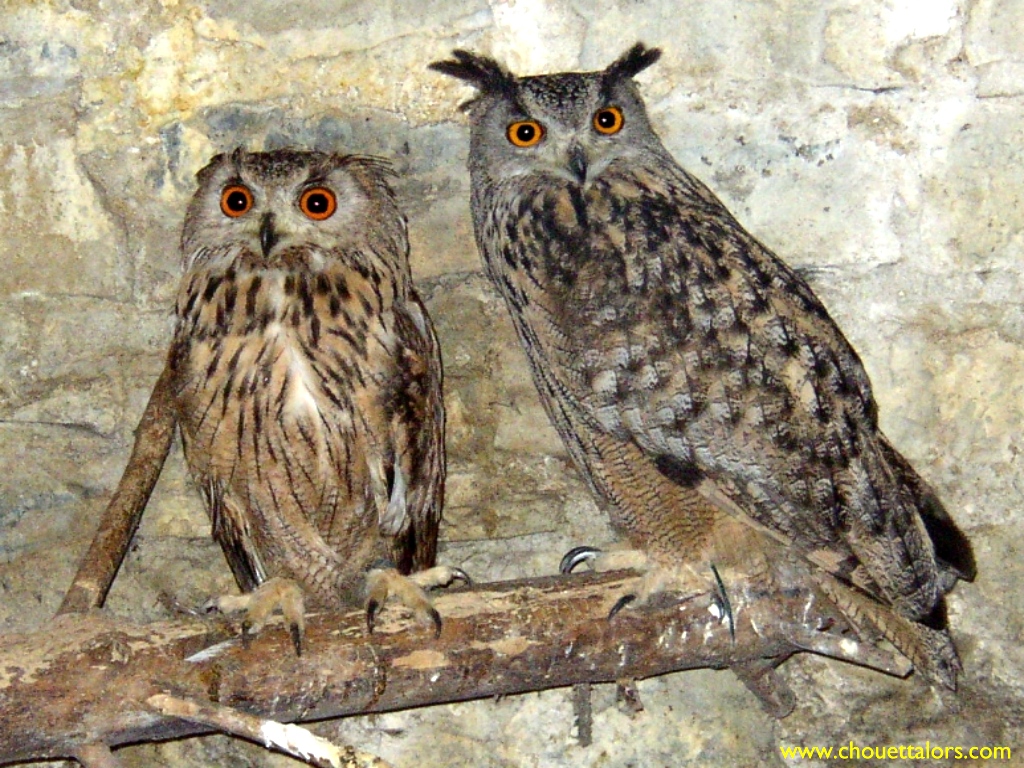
{"points": [[58, 237], [992, 32], [874, 145], [534, 36], [862, 41]]}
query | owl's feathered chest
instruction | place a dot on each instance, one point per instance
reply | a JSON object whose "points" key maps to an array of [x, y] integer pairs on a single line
{"points": [[307, 341], [627, 250], [233, 302]]}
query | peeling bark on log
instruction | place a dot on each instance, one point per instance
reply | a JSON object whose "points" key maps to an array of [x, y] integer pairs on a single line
{"points": [[89, 682], [89, 679]]}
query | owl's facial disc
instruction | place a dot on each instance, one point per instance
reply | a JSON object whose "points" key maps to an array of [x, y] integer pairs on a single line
{"points": [[315, 203], [565, 155], [572, 146]]}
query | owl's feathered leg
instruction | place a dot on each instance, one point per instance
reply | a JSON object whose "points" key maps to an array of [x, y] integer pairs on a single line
{"points": [[274, 594], [731, 549], [384, 581], [682, 580]]}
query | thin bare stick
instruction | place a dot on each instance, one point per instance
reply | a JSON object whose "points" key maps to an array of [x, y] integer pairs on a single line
{"points": [[290, 739], [121, 518]]}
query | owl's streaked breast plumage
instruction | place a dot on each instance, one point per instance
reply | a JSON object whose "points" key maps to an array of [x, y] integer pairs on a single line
{"points": [[294, 389]]}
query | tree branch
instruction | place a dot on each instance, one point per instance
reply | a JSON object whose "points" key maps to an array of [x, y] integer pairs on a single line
{"points": [[90, 679], [121, 518], [89, 682]]}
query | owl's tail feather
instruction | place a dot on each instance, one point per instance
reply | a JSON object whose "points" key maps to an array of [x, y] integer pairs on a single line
{"points": [[931, 651], [952, 549]]}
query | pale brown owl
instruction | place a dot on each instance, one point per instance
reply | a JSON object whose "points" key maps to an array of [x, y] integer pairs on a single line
{"points": [[692, 375], [307, 381]]}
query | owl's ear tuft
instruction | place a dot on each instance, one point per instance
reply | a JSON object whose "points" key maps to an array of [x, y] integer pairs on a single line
{"points": [[213, 162], [238, 156], [210, 168], [486, 74], [632, 62]]}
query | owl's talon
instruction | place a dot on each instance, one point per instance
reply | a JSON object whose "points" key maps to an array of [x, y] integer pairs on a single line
{"points": [[439, 576], [436, 618], [296, 634], [384, 581], [621, 603], [461, 575], [577, 555], [721, 599], [372, 609], [274, 594]]}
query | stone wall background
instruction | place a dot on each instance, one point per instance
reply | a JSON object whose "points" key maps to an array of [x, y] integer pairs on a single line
{"points": [[875, 145]]}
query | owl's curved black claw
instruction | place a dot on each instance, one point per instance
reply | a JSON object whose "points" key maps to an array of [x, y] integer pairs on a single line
{"points": [[721, 598], [372, 609], [575, 556], [435, 617], [296, 634], [384, 581], [621, 603], [277, 593], [457, 574]]}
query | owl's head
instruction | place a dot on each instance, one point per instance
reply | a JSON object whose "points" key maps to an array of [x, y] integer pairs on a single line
{"points": [[291, 208], [571, 125]]}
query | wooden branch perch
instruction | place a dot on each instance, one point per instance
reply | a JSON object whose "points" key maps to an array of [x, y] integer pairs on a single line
{"points": [[89, 680]]}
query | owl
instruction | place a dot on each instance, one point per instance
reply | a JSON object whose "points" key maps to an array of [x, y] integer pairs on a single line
{"points": [[696, 380], [307, 385]]}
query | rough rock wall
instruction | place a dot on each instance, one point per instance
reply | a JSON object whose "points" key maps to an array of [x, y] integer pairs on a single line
{"points": [[875, 145]]}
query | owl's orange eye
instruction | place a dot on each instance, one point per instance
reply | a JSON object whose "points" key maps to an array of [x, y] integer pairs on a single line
{"points": [[318, 203], [525, 133], [608, 120], [235, 200]]}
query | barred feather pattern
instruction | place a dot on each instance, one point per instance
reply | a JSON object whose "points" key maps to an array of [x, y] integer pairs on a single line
{"points": [[309, 395], [650, 315], [690, 372]]}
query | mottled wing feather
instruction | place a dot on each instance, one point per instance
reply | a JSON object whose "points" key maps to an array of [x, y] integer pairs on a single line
{"points": [[952, 549], [230, 531], [651, 316], [414, 402]]}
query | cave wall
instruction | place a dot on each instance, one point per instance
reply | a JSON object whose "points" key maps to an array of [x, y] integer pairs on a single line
{"points": [[876, 146]]}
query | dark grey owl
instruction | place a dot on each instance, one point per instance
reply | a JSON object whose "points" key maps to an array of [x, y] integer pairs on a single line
{"points": [[692, 375]]}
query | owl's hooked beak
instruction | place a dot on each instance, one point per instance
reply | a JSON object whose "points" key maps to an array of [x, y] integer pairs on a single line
{"points": [[268, 235], [577, 162]]}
